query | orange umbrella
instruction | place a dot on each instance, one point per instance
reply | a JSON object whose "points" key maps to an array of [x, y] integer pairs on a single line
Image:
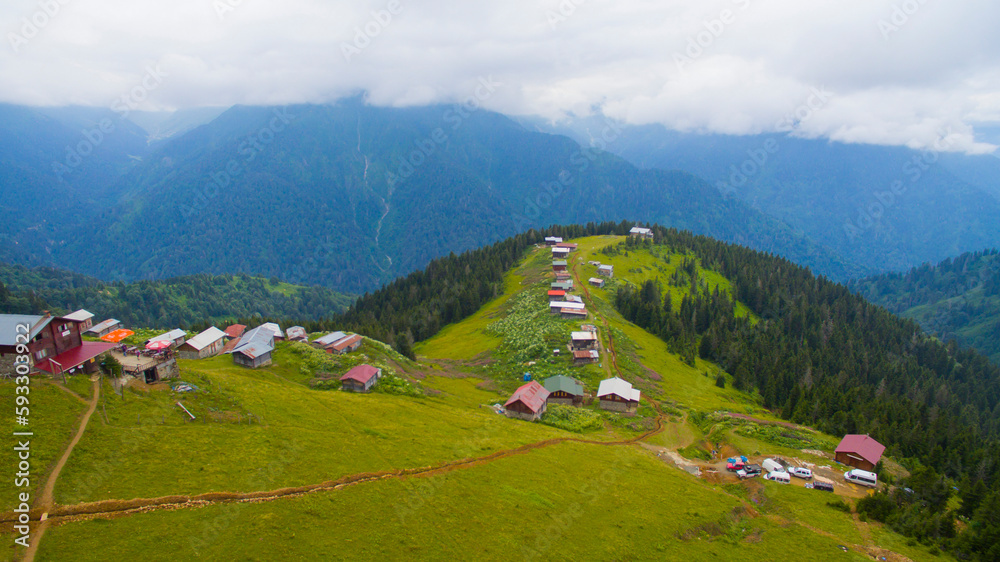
{"points": [[117, 335]]}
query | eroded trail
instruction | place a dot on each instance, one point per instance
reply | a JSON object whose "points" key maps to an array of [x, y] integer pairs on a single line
{"points": [[44, 503], [119, 508]]}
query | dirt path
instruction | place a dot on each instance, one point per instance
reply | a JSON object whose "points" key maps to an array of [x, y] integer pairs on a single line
{"points": [[45, 499], [67, 391], [118, 508]]}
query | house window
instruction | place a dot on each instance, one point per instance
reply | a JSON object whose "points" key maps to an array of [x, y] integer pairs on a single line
{"points": [[42, 354]]}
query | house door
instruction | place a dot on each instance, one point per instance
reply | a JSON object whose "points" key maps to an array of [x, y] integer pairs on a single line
{"points": [[150, 375]]}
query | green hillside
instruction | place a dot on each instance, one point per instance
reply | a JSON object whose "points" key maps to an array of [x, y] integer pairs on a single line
{"points": [[957, 299], [280, 464], [191, 301]]}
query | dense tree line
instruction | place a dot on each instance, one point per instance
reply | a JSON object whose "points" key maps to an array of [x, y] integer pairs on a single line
{"points": [[185, 302], [820, 355], [956, 299]]}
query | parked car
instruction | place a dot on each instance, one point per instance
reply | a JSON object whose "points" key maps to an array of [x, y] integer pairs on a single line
{"points": [[753, 469], [822, 486], [744, 474], [800, 472], [780, 477], [772, 465], [734, 466], [862, 477]]}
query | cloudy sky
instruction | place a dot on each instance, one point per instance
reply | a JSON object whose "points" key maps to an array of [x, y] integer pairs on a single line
{"points": [[909, 72]]}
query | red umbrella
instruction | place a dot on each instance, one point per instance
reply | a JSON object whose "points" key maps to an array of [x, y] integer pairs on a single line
{"points": [[158, 344]]}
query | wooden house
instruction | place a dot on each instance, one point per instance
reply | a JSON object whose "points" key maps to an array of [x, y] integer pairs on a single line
{"points": [[640, 232], [175, 337], [234, 331], [52, 344], [558, 265], [583, 340], [564, 390], [360, 378], [563, 276], [275, 329], [859, 451], [586, 356], [617, 395], [557, 295], [296, 333], [559, 253], [326, 341], [568, 246], [596, 282], [573, 313], [206, 344], [84, 318], [254, 348], [552, 240], [606, 270], [346, 345], [527, 403], [104, 328]]}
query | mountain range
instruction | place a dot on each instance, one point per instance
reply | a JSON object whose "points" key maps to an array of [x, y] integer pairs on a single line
{"points": [[351, 196]]}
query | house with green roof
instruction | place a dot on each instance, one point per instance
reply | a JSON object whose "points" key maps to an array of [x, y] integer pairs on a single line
{"points": [[564, 390]]}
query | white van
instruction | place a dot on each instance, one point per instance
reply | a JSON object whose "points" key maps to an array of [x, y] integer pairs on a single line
{"points": [[862, 477], [779, 476], [771, 465]]}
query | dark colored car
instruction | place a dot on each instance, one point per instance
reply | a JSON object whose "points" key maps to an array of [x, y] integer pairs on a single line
{"points": [[753, 469], [824, 486]]}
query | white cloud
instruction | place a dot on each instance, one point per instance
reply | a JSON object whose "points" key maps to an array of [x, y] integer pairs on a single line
{"points": [[900, 71]]}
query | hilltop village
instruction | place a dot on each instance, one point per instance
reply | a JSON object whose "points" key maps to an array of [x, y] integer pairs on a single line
{"points": [[550, 353]]}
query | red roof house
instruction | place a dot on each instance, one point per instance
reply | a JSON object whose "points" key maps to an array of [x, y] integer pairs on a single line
{"points": [[859, 451], [527, 402], [235, 331], [346, 345], [360, 378]]}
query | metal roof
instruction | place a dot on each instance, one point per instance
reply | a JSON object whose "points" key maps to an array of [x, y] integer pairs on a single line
{"points": [[583, 336], [606, 267], [361, 373], [235, 330], [256, 342], [74, 357], [553, 239], [296, 332], [330, 338], [558, 262], [345, 342], [79, 316], [109, 323], [206, 338], [573, 305], [869, 449], [565, 384], [171, 335], [618, 387], [275, 329], [254, 349], [10, 322], [585, 354], [639, 230], [532, 395], [596, 280]]}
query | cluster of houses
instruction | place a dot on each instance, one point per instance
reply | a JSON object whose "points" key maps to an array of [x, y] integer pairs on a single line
{"points": [[560, 300], [531, 399], [54, 344]]}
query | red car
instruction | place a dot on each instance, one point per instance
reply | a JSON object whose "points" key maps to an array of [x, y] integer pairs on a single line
{"points": [[734, 466]]}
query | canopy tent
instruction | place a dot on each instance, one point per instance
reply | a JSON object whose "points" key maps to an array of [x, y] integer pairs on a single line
{"points": [[117, 336]]}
